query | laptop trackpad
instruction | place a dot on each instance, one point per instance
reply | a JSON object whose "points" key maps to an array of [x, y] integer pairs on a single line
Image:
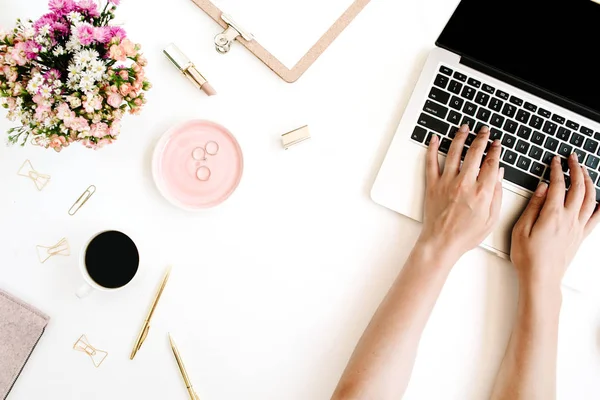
{"points": [[512, 207]]}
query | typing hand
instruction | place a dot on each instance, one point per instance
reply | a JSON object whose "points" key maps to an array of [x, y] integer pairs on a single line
{"points": [[462, 204], [552, 227]]}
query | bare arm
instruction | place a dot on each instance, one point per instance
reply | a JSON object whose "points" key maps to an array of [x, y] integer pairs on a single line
{"points": [[545, 241], [382, 362]]}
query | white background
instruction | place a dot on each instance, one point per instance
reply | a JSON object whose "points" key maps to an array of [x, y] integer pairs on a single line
{"points": [[270, 291]]}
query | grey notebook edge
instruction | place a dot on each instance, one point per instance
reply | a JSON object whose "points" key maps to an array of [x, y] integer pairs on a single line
{"points": [[43, 321]]}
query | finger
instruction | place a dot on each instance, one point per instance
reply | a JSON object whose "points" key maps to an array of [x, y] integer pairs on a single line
{"points": [[489, 169], [453, 160], [470, 167], [589, 202], [432, 166], [496, 205], [533, 209], [556, 190], [577, 190], [592, 222]]}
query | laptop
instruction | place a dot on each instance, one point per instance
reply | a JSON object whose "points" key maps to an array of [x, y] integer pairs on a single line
{"points": [[526, 69]]}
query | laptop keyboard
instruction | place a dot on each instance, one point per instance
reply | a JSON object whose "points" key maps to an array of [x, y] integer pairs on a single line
{"points": [[531, 136]]}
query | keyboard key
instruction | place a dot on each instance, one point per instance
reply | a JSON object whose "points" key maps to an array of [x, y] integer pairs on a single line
{"points": [[445, 70], [597, 195], [523, 116], [530, 107], [564, 163], [474, 82], [550, 128], [544, 113], [497, 120], [597, 135], [565, 150], [592, 161], [551, 144], [509, 110], [469, 108], [524, 132], [496, 104], [524, 163], [567, 181], [455, 86], [510, 157], [536, 122], [456, 103], [558, 119], [593, 175], [468, 93], [547, 158], [510, 126], [547, 174], [483, 114], [439, 95], [488, 88], [563, 134], [520, 178], [573, 125], [441, 81], [469, 121], [502, 95], [495, 134], [482, 98], [433, 123], [516, 100], [508, 141], [586, 131], [580, 155], [522, 146], [418, 134], [591, 145], [429, 136], [538, 138], [445, 145], [452, 133], [454, 117], [536, 152], [537, 169], [460, 77], [478, 127], [577, 140], [470, 138], [434, 108]]}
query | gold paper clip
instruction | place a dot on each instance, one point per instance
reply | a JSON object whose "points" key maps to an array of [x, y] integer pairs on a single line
{"points": [[98, 356], [59, 249], [27, 170], [294, 137], [85, 196]]}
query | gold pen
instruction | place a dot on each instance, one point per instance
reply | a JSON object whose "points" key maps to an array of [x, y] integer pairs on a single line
{"points": [[186, 378], [146, 327]]}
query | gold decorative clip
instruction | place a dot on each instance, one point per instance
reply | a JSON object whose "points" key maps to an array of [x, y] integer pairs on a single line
{"points": [[294, 137], [85, 196], [97, 356], [40, 180], [59, 249]]}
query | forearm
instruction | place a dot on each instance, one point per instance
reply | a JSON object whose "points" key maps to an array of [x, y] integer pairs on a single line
{"points": [[382, 362], [528, 370]]}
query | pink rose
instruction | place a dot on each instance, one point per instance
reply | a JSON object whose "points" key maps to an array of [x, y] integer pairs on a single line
{"points": [[117, 53], [18, 53], [125, 89], [85, 33], [99, 130], [114, 100], [124, 74], [136, 68], [138, 102], [128, 47], [115, 128]]}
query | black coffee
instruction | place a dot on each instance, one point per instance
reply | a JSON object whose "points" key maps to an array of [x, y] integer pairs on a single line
{"points": [[112, 259]]}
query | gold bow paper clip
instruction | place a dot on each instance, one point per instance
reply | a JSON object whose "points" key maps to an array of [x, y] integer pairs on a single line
{"points": [[59, 249], [27, 170], [97, 356]]}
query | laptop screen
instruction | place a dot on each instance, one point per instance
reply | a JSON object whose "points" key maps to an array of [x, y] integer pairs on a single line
{"points": [[553, 45]]}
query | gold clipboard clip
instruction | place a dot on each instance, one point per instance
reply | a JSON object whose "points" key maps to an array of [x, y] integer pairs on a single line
{"points": [[98, 356], [224, 39]]}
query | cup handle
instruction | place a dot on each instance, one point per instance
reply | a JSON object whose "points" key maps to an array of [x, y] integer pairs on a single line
{"points": [[84, 291]]}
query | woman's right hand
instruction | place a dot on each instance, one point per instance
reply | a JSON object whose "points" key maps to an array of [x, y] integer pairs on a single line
{"points": [[553, 226]]}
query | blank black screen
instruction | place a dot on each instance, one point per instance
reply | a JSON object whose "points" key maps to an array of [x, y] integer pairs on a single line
{"points": [[549, 44]]}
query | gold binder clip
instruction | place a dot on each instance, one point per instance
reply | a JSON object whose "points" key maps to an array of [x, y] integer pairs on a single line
{"points": [[27, 170], [59, 249], [294, 137], [224, 39], [85, 196], [97, 356]]}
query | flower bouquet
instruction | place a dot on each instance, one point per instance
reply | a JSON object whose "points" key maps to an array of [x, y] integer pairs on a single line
{"points": [[70, 76]]}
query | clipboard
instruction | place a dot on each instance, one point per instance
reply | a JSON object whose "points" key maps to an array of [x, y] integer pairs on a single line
{"points": [[234, 32]]}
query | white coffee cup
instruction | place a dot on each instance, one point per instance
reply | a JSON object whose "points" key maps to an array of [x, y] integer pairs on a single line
{"points": [[90, 284]]}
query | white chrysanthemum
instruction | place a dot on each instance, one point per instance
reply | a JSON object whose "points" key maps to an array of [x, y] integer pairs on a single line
{"points": [[75, 68], [57, 92], [73, 84], [97, 69], [74, 16], [45, 30], [19, 101], [57, 83], [28, 32], [45, 91], [82, 58], [58, 51], [74, 101], [87, 83], [33, 86], [73, 44]]}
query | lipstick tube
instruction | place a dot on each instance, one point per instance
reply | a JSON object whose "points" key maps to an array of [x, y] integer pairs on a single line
{"points": [[188, 69]]}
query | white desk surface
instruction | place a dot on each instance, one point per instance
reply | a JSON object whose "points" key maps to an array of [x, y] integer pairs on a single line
{"points": [[270, 291]]}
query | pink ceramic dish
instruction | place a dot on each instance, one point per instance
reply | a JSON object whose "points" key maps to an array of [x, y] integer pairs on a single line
{"points": [[180, 162]]}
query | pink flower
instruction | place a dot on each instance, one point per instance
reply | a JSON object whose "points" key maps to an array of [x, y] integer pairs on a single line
{"points": [[103, 142], [125, 89], [52, 75], [17, 89], [85, 33], [38, 99], [92, 104], [18, 53], [64, 112], [117, 32], [124, 74], [102, 34], [138, 102], [60, 28], [88, 143], [99, 130], [57, 142], [115, 128], [136, 68], [80, 124], [114, 100], [46, 19], [117, 53], [41, 112], [61, 7], [128, 47], [88, 6], [115, 2]]}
